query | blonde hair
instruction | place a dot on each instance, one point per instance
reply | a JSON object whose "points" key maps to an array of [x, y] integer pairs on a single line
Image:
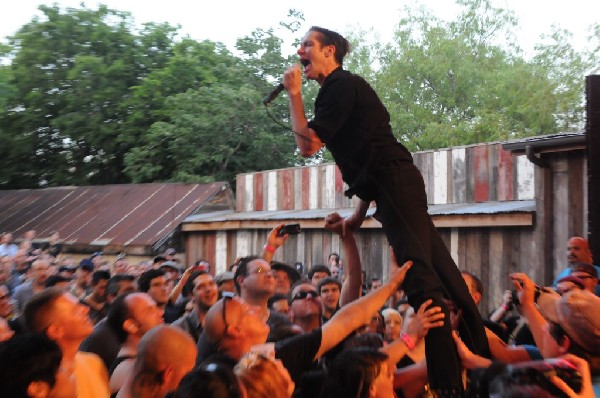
{"points": [[261, 377]]}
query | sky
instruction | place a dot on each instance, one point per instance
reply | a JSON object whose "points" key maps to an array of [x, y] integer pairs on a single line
{"points": [[226, 20]]}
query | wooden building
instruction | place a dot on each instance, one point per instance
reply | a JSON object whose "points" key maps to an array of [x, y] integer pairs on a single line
{"points": [[497, 211]]}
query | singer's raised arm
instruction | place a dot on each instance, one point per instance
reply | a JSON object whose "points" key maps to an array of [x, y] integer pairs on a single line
{"points": [[306, 138]]}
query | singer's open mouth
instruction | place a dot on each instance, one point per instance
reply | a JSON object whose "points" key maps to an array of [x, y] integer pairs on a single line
{"points": [[305, 62]]}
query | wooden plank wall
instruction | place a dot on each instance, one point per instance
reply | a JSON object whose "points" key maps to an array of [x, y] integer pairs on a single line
{"points": [[491, 253], [457, 175], [477, 173]]}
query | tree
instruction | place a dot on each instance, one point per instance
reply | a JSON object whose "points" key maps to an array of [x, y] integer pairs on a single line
{"points": [[218, 127], [73, 72], [463, 82]]}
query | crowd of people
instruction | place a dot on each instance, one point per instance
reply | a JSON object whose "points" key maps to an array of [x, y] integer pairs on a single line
{"points": [[266, 329]]}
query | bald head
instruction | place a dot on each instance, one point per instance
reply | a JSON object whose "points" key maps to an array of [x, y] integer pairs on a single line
{"points": [[235, 326], [166, 345], [168, 352], [578, 250]]}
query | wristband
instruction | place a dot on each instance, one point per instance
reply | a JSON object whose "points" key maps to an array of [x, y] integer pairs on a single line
{"points": [[269, 248], [505, 307], [410, 343]]}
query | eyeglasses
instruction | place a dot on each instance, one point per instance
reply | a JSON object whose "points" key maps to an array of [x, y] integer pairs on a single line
{"points": [[263, 271], [226, 296], [305, 294]]}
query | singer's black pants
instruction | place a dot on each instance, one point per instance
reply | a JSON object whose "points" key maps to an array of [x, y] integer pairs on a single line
{"points": [[402, 210]]}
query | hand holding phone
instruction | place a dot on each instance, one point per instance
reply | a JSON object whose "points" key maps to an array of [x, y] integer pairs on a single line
{"points": [[289, 229]]}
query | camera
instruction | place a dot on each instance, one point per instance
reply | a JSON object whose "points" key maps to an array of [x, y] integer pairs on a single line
{"points": [[536, 294]]}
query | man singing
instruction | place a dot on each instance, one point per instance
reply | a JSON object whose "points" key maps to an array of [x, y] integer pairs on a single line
{"points": [[353, 124]]}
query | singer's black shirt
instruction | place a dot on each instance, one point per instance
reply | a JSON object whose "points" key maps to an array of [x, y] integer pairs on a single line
{"points": [[355, 126]]}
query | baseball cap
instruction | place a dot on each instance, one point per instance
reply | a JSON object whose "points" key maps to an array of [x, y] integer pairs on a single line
{"points": [[577, 313], [584, 267], [170, 264], [224, 277], [87, 265], [68, 268], [291, 271], [571, 278], [159, 258]]}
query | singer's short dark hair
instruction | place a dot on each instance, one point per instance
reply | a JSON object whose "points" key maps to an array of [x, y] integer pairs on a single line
{"points": [[328, 38]]}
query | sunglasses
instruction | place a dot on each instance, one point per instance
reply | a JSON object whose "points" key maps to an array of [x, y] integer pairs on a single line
{"points": [[306, 294]]}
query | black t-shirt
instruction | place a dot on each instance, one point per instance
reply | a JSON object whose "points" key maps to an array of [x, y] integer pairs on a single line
{"points": [[297, 353], [355, 126], [103, 341]]}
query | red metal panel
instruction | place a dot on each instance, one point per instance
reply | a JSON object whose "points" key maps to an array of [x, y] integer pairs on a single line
{"points": [[305, 187], [505, 174], [287, 192], [258, 191], [481, 173]]}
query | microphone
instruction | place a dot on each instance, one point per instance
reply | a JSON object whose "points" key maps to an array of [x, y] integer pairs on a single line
{"points": [[273, 94]]}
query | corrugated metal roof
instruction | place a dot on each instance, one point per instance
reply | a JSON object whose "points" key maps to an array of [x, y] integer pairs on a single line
{"points": [[546, 141], [121, 215], [517, 206]]}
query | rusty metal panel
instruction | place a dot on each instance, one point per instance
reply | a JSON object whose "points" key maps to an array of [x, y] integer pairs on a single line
{"points": [[119, 215], [481, 172]]}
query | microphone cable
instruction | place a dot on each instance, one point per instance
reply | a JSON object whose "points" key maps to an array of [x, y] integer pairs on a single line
{"points": [[289, 129]]}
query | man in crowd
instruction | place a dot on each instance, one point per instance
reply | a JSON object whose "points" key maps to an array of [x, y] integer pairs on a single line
{"points": [[285, 277], [317, 273], [131, 316], [236, 327], [329, 290], [60, 316], [37, 283], [153, 282], [165, 354], [204, 294], [225, 282], [96, 300], [587, 274], [578, 251], [83, 279], [7, 247], [103, 341]]}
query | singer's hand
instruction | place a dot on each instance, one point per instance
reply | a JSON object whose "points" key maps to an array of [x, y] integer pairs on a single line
{"points": [[292, 80]]}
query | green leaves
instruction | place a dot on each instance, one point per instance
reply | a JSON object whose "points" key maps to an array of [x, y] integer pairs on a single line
{"points": [[88, 99]]}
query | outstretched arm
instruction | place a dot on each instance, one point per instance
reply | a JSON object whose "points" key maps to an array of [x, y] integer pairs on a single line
{"points": [[425, 318], [351, 287], [537, 323], [306, 138], [274, 240], [354, 222], [359, 312]]}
